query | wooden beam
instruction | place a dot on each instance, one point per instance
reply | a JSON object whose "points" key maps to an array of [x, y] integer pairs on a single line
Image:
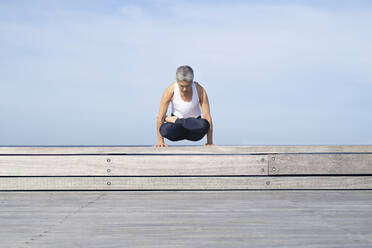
{"points": [[185, 150], [315, 164], [185, 183], [133, 165]]}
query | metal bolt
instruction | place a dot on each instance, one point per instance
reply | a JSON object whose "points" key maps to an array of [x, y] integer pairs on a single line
{"points": [[267, 182], [108, 183], [273, 158], [274, 169], [108, 160], [262, 160], [108, 170], [263, 170]]}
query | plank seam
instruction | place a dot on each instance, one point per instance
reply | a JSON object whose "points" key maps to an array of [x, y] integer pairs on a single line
{"points": [[174, 154], [271, 175]]}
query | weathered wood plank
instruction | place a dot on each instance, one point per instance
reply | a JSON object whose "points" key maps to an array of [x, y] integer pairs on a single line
{"points": [[133, 165], [163, 219], [184, 149], [313, 164], [184, 183]]}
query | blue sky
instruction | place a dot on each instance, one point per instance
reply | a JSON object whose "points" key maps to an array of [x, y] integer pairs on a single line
{"points": [[276, 72]]}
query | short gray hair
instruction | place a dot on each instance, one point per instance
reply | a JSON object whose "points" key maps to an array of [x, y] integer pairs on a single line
{"points": [[184, 73]]}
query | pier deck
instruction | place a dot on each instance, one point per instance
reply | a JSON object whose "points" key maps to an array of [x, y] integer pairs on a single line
{"points": [[253, 218], [278, 196]]}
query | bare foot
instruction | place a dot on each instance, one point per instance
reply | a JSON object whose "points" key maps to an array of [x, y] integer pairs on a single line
{"points": [[171, 119]]}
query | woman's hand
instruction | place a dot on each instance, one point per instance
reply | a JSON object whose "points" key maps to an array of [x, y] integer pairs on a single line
{"points": [[209, 144], [160, 145]]}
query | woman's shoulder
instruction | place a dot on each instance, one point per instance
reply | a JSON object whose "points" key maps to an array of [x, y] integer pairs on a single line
{"points": [[200, 89], [170, 90], [198, 85]]}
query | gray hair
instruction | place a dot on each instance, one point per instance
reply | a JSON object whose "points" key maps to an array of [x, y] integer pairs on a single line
{"points": [[184, 73]]}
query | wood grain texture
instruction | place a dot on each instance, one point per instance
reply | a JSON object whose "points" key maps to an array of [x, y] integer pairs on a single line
{"points": [[184, 149], [184, 183], [218, 219], [129, 165], [183, 168], [327, 164]]}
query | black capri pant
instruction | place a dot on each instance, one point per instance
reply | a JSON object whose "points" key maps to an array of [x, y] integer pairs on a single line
{"points": [[190, 128]]}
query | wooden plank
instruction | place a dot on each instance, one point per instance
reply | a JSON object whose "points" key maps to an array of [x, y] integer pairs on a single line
{"points": [[185, 183], [271, 218], [132, 165], [185, 150], [313, 164]]}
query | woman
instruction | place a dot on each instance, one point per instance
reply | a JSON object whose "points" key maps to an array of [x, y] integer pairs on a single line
{"points": [[185, 122]]}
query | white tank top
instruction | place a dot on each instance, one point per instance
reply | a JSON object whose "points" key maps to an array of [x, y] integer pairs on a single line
{"points": [[183, 109]]}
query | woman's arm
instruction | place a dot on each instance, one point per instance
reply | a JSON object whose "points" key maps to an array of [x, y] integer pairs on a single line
{"points": [[164, 103], [204, 102]]}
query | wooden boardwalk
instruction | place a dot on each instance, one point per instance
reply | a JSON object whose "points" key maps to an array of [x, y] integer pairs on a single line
{"points": [[257, 196], [290, 219], [186, 168]]}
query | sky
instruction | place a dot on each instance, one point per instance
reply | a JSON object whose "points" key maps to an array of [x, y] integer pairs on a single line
{"points": [[275, 72]]}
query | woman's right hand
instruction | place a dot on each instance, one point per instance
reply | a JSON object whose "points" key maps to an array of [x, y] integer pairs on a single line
{"points": [[160, 145]]}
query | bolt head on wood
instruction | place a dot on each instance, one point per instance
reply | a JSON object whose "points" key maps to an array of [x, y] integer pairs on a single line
{"points": [[108, 170], [108, 183], [273, 158], [108, 160]]}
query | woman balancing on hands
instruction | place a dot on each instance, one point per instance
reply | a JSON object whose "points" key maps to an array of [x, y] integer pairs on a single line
{"points": [[185, 122]]}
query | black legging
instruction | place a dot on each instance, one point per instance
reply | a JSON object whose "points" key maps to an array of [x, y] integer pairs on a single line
{"points": [[190, 128]]}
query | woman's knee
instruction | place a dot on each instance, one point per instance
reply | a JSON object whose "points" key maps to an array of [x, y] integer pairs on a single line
{"points": [[205, 125], [164, 130], [196, 124], [171, 131]]}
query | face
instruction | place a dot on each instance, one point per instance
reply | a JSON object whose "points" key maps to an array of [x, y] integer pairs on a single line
{"points": [[185, 87]]}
